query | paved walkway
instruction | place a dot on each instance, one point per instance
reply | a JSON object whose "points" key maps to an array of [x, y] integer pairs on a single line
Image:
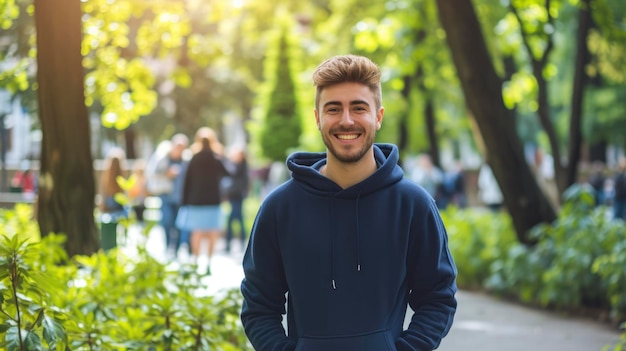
{"points": [[482, 322], [486, 323]]}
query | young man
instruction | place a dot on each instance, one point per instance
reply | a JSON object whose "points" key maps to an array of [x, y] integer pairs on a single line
{"points": [[347, 239]]}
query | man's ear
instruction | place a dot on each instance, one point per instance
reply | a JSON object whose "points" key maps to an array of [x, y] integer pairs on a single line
{"points": [[379, 117], [317, 119]]}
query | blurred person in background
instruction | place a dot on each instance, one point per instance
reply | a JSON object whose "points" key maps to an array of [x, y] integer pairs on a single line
{"points": [[236, 190], [619, 191], [24, 180], [489, 189], [427, 175], [597, 180], [200, 210], [453, 189], [113, 168], [162, 170], [138, 192]]}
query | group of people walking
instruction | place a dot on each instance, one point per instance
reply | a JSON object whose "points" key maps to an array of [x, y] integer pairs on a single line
{"points": [[201, 176], [192, 181]]}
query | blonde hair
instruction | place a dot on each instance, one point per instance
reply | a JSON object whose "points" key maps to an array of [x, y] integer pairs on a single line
{"points": [[210, 135], [113, 168], [348, 68]]}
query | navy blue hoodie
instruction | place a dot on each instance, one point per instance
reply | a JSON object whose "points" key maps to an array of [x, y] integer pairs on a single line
{"points": [[347, 261]]}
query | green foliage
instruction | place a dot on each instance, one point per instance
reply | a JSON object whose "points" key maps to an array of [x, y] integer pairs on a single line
{"points": [[477, 239], [19, 220], [282, 124], [30, 321], [608, 122], [9, 12], [107, 301], [606, 42], [578, 260]]}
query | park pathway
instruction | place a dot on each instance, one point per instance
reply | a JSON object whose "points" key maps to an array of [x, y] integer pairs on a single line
{"points": [[482, 322], [485, 323]]}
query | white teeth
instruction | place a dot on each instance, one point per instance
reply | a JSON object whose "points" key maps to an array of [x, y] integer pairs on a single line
{"points": [[347, 136]]}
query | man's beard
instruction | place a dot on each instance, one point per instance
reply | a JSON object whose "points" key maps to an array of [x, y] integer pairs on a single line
{"points": [[349, 157]]}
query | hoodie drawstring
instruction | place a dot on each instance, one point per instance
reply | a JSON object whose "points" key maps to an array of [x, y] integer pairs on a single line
{"points": [[332, 244], [332, 240], [358, 235]]}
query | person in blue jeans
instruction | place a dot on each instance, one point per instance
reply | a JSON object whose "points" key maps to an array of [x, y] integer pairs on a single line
{"points": [[169, 170], [236, 190], [619, 191]]}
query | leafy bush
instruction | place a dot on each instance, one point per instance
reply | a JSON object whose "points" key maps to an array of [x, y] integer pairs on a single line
{"points": [[106, 301], [578, 260], [477, 239]]}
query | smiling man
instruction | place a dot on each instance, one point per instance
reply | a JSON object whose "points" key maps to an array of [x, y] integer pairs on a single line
{"points": [[348, 243]]}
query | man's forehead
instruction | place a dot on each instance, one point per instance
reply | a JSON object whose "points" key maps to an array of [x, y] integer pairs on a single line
{"points": [[346, 93]]}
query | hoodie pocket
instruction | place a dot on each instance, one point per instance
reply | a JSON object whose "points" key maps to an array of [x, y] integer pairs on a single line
{"points": [[374, 341]]}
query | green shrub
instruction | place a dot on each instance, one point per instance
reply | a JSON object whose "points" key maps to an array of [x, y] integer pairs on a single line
{"points": [[106, 301], [578, 260], [477, 239]]}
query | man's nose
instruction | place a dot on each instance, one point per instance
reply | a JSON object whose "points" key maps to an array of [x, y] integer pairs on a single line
{"points": [[346, 118]]}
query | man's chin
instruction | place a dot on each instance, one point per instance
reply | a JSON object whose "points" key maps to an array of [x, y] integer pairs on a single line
{"points": [[348, 156]]}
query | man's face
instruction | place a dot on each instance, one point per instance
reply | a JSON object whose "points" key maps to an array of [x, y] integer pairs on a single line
{"points": [[177, 151], [348, 119]]}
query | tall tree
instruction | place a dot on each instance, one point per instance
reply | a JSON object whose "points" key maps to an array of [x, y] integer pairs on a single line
{"points": [[282, 124], [578, 90], [66, 189], [482, 88]]}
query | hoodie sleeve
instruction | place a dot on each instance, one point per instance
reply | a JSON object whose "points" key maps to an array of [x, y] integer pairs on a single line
{"points": [[432, 284], [264, 287]]}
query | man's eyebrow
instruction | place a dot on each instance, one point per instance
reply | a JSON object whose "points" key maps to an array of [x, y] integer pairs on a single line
{"points": [[359, 102], [354, 102], [332, 103]]}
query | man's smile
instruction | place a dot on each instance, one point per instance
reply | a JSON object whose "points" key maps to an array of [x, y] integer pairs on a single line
{"points": [[347, 136]]}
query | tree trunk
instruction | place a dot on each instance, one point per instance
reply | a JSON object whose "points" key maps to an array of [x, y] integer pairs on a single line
{"points": [[403, 129], [482, 88], [580, 81], [129, 139], [430, 120], [3, 152], [543, 112], [431, 129], [66, 193], [543, 101]]}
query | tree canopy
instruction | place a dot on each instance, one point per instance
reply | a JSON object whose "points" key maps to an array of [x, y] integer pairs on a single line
{"points": [[164, 66]]}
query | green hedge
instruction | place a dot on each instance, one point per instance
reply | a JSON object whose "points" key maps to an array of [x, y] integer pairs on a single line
{"points": [[106, 301], [578, 261]]}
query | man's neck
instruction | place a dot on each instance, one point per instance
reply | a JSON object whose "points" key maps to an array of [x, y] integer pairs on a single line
{"points": [[348, 174]]}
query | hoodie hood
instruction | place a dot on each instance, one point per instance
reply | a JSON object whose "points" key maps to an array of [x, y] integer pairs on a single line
{"points": [[305, 168]]}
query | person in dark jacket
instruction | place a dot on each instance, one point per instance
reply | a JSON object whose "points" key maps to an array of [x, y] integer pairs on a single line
{"points": [[619, 191], [200, 212], [236, 190], [347, 242]]}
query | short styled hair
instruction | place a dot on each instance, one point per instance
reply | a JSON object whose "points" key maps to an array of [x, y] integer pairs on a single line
{"points": [[348, 68]]}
